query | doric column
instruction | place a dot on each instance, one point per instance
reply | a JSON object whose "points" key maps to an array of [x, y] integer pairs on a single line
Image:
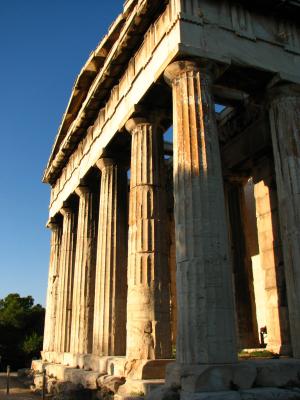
{"points": [[242, 266], [171, 247], [66, 273], [206, 323], [285, 127], [109, 336], [84, 273], [271, 257], [50, 317], [148, 303]]}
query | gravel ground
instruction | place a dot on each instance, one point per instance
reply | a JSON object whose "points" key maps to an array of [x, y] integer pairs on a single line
{"points": [[17, 390]]}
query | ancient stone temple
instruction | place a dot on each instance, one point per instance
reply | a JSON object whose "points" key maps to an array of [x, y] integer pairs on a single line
{"points": [[169, 257]]}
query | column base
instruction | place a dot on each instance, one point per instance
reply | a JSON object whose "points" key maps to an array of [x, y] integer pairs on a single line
{"points": [[256, 379], [103, 364], [112, 365], [147, 369], [211, 377], [138, 388], [250, 394], [282, 349], [124, 378], [276, 349], [243, 375]]}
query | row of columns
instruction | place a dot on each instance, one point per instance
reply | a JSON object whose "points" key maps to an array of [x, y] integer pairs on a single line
{"points": [[90, 306], [93, 302]]}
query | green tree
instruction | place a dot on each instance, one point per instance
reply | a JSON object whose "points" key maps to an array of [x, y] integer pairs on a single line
{"points": [[21, 330], [33, 344]]}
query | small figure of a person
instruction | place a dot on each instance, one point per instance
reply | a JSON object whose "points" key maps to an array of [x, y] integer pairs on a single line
{"points": [[263, 332], [147, 343]]}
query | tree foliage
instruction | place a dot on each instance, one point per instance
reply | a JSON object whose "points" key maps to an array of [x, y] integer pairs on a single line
{"points": [[21, 330], [32, 344]]}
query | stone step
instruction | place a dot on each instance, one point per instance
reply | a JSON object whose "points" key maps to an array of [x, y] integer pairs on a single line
{"points": [[138, 388], [250, 394]]}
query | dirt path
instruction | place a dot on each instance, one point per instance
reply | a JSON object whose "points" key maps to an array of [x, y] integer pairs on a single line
{"points": [[17, 390]]}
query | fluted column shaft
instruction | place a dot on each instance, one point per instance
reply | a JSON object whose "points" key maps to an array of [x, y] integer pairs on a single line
{"points": [[65, 291], [111, 270], [206, 323], [171, 247], [148, 303], [271, 258], [242, 266], [285, 128], [52, 291], [84, 273]]}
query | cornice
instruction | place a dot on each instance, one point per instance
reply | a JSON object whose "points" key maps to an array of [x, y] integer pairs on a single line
{"points": [[97, 78]]}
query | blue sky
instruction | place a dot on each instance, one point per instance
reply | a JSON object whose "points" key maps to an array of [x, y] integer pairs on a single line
{"points": [[44, 44]]}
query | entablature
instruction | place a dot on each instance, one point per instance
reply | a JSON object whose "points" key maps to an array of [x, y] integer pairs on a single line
{"points": [[98, 78], [254, 49], [159, 47]]}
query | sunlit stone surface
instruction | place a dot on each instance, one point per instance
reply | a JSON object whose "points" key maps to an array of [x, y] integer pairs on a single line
{"points": [[154, 278]]}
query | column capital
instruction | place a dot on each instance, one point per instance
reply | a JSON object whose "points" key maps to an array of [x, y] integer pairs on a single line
{"points": [[236, 179], [133, 123], [105, 162], [53, 224], [282, 91], [82, 190], [66, 210], [177, 68]]}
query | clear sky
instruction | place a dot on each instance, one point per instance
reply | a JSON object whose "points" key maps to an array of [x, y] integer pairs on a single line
{"points": [[43, 45]]}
